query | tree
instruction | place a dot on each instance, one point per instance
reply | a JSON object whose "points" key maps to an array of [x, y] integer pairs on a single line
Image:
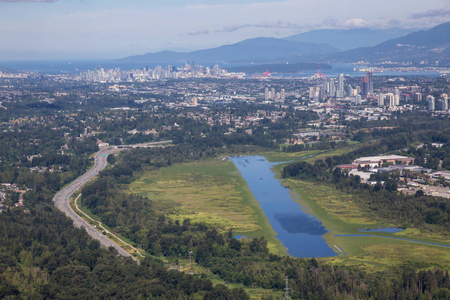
{"points": [[111, 159], [219, 292], [419, 193]]}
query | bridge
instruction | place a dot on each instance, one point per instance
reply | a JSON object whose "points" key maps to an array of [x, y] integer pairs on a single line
{"points": [[142, 145]]}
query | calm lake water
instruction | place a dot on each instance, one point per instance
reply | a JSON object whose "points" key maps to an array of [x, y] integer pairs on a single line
{"points": [[301, 233]]}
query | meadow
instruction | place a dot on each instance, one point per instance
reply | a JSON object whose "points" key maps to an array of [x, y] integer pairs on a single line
{"points": [[213, 191], [213, 182], [209, 191], [342, 215]]}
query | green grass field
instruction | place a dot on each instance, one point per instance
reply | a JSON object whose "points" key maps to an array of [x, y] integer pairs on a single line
{"points": [[376, 253], [210, 191], [341, 215], [308, 155]]}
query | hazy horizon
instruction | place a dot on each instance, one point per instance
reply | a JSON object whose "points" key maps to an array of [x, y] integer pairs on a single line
{"points": [[98, 29]]}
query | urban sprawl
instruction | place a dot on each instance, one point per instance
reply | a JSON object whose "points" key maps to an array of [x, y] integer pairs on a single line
{"points": [[211, 95]]}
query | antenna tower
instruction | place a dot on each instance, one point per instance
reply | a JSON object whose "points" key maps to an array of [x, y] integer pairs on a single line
{"points": [[191, 270], [286, 290]]}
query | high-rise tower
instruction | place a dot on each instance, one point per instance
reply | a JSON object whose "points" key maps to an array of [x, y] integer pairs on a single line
{"points": [[370, 82], [444, 102], [365, 86], [391, 98], [381, 99], [397, 96], [431, 104], [340, 86], [349, 90]]}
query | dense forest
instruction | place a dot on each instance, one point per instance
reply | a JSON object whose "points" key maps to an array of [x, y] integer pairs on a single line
{"points": [[43, 256]]}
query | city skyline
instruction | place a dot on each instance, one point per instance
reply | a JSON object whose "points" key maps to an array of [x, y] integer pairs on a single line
{"points": [[93, 29]]}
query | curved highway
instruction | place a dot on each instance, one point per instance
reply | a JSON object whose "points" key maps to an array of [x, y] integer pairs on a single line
{"points": [[61, 200]]}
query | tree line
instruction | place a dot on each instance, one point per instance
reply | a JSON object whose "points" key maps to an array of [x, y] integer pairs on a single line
{"points": [[245, 261]]}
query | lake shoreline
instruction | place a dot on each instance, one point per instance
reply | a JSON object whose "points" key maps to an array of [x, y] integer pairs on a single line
{"points": [[300, 232]]}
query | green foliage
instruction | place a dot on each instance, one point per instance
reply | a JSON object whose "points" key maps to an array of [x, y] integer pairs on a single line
{"points": [[111, 159], [314, 146], [383, 199], [43, 256], [242, 261]]}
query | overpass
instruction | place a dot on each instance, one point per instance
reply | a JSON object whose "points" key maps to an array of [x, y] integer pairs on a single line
{"points": [[143, 145]]}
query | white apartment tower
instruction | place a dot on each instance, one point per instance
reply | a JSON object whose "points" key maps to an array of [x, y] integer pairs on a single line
{"points": [[380, 99], [397, 97], [444, 102], [431, 103], [391, 98]]}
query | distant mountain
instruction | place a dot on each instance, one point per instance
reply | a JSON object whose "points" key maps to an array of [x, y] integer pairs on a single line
{"points": [[252, 50], [430, 45], [425, 45], [280, 68], [346, 39], [7, 70]]}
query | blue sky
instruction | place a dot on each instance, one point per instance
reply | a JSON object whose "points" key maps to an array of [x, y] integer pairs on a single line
{"points": [[92, 29]]}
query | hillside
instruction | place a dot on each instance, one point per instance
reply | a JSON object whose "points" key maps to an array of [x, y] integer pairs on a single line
{"points": [[428, 46], [346, 39], [251, 50]]}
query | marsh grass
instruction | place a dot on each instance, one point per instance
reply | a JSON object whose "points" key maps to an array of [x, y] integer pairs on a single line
{"points": [[209, 191]]}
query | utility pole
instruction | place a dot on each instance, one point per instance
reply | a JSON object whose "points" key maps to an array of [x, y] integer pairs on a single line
{"points": [[191, 270], [286, 291]]}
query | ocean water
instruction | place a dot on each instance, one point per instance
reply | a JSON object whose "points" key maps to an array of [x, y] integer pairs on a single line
{"points": [[55, 67]]}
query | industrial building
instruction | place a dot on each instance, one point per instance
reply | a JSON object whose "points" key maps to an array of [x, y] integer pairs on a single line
{"points": [[374, 161]]}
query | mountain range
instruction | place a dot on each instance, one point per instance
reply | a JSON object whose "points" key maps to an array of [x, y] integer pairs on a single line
{"points": [[346, 39], [393, 44], [421, 46], [252, 50]]}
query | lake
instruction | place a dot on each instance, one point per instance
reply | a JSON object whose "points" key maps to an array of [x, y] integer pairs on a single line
{"points": [[301, 233]]}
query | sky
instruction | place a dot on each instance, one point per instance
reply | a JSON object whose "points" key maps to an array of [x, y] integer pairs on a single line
{"points": [[105, 29]]}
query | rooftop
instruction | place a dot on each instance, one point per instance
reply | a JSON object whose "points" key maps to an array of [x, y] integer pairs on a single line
{"points": [[382, 157]]}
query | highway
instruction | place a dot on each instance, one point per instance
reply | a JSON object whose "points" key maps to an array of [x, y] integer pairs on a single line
{"points": [[61, 199]]}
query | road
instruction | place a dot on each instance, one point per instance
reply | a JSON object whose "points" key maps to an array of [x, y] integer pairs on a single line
{"points": [[145, 145], [61, 200]]}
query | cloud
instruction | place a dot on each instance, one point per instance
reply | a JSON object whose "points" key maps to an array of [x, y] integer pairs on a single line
{"points": [[300, 17], [198, 32], [236, 27], [233, 28], [356, 23], [326, 23], [432, 13], [68, 26], [28, 0]]}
